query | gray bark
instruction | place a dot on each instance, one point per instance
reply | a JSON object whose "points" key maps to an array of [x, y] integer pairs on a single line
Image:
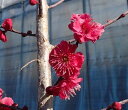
{"points": [[44, 48]]}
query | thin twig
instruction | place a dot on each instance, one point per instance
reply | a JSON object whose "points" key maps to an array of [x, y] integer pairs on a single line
{"points": [[29, 63], [116, 19], [56, 4], [23, 34], [108, 23], [122, 102], [29, 33]]}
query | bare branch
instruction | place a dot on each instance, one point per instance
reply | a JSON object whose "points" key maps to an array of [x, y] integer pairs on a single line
{"points": [[23, 34], [56, 4], [122, 102], [29, 63], [116, 19]]}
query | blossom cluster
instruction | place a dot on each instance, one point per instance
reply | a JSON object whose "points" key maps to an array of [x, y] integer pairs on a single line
{"points": [[67, 64], [6, 26], [7, 103], [64, 59], [84, 28]]}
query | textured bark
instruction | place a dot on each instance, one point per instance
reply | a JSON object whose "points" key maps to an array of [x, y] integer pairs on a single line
{"points": [[44, 49]]}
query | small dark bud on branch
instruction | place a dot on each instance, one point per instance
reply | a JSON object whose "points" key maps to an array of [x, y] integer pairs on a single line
{"points": [[121, 16], [29, 32], [25, 108]]}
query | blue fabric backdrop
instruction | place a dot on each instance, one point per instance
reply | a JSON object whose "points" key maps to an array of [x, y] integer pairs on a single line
{"points": [[105, 69]]}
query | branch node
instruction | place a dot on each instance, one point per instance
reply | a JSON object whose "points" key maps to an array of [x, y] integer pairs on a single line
{"points": [[109, 22]]}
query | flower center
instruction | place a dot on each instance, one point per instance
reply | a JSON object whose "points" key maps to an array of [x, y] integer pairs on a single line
{"points": [[85, 29], [65, 58]]}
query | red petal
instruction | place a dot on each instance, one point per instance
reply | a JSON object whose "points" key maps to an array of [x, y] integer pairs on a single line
{"points": [[7, 101], [3, 36], [33, 2]]}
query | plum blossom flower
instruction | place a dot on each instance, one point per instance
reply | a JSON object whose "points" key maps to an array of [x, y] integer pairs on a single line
{"points": [[7, 101], [7, 24], [65, 88], [65, 61], [84, 28], [3, 36], [33, 2]]}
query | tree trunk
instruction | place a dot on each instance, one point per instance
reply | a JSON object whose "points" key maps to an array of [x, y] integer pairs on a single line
{"points": [[44, 49]]}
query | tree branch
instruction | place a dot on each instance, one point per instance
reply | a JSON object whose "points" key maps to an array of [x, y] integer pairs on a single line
{"points": [[109, 22], [122, 102], [116, 19], [29, 33], [29, 63], [44, 49], [56, 4]]}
